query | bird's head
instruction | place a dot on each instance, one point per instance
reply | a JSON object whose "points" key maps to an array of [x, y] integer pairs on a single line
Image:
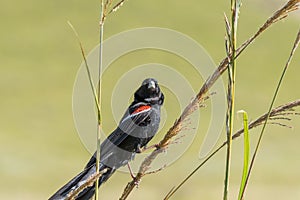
{"points": [[149, 92]]}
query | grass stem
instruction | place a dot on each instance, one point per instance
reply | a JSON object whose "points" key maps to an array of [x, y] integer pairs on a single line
{"points": [[231, 91], [99, 95]]}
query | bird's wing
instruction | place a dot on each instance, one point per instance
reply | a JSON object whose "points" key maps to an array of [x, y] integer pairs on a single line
{"points": [[134, 117]]}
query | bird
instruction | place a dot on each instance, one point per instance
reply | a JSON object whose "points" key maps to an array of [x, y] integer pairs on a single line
{"points": [[136, 128]]}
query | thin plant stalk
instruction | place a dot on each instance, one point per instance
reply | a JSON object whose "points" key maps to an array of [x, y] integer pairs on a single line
{"points": [[231, 91], [88, 183], [296, 44], [99, 126], [87, 68], [104, 11]]}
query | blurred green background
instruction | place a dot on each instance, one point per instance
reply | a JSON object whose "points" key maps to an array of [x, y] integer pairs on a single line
{"points": [[40, 149]]}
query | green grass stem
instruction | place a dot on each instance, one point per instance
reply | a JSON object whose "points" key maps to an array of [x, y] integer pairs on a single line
{"points": [[235, 6], [99, 126]]}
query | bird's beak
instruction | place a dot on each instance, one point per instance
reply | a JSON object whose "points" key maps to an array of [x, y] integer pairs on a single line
{"points": [[151, 85]]}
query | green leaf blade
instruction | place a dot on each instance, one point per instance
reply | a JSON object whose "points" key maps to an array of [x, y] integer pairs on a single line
{"points": [[246, 154]]}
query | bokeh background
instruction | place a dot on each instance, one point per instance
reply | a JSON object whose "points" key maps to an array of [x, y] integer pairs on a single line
{"points": [[39, 56]]}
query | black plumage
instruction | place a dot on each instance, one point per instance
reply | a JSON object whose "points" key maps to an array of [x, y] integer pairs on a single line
{"points": [[136, 128]]}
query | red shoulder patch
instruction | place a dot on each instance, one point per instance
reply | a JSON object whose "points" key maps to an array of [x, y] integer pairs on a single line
{"points": [[141, 108]]}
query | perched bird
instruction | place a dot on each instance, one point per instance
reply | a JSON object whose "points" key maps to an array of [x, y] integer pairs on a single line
{"points": [[137, 127]]}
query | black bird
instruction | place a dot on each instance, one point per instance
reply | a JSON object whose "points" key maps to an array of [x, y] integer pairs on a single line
{"points": [[137, 127]]}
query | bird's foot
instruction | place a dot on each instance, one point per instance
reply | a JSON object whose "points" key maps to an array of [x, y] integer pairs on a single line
{"points": [[141, 150], [136, 181]]}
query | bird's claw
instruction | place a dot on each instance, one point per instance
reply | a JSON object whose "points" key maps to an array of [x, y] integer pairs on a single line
{"points": [[141, 150]]}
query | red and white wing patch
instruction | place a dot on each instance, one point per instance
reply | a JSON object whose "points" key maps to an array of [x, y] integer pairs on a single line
{"points": [[142, 109], [137, 111]]}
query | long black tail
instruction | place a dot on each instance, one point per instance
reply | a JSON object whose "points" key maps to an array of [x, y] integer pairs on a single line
{"points": [[78, 180]]}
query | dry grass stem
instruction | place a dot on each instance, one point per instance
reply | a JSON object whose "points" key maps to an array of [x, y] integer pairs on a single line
{"points": [[283, 110], [108, 8], [89, 182], [117, 6], [280, 14]]}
